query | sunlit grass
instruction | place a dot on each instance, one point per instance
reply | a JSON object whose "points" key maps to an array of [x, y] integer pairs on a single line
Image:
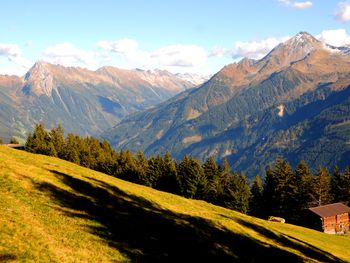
{"points": [[46, 216]]}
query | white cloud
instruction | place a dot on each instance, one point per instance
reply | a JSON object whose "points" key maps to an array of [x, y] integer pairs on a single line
{"points": [[295, 4], [67, 54], [302, 5], [9, 50], [123, 46], [29, 43], [180, 56], [259, 48], [164, 57], [14, 54], [219, 52], [342, 12], [255, 49], [23, 62], [128, 49], [336, 37]]}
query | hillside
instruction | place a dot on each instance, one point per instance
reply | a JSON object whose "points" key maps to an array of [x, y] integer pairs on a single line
{"points": [[83, 101], [52, 210], [293, 103]]}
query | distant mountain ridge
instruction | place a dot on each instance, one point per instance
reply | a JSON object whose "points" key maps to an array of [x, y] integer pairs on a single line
{"points": [[294, 103], [83, 101]]}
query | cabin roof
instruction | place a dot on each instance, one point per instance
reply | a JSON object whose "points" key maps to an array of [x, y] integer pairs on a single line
{"points": [[330, 210], [16, 146]]}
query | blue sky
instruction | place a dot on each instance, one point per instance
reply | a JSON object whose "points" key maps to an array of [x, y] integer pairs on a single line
{"points": [[198, 36]]}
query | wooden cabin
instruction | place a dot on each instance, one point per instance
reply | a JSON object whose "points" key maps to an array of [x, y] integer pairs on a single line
{"points": [[15, 146], [334, 218]]}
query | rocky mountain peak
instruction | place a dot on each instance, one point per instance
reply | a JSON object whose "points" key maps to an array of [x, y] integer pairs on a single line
{"points": [[245, 64], [37, 68], [295, 48], [303, 38], [40, 79], [302, 47]]}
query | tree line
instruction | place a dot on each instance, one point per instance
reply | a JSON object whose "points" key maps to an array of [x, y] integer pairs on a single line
{"points": [[285, 192], [289, 193], [13, 140]]}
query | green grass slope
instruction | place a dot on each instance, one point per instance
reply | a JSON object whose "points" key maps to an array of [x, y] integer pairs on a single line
{"points": [[55, 211]]}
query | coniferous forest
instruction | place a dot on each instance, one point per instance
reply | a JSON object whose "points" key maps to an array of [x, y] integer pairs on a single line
{"points": [[282, 191]]}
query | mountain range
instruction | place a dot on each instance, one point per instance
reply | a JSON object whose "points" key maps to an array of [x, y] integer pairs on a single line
{"points": [[82, 101], [292, 103]]}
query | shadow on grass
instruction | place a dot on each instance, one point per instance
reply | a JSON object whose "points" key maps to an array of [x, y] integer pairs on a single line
{"points": [[144, 232], [287, 241], [7, 257]]}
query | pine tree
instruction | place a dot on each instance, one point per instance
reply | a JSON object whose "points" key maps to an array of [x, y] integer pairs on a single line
{"points": [[281, 190], [89, 152], [142, 173], [202, 184], [57, 139], [212, 175], [270, 202], [29, 145], [223, 180], [286, 189], [336, 184], [236, 193], [71, 151], [155, 170], [345, 197], [244, 194], [38, 142], [191, 177], [168, 180], [105, 158], [51, 150], [229, 197], [256, 200], [340, 185], [125, 167], [14, 141], [307, 196], [323, 187]]}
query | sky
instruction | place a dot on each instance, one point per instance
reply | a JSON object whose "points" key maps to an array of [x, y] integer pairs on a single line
{"points": [[194, 36]]}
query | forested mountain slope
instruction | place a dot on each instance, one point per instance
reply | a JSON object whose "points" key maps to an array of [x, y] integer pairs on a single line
{"points": [[83, 101], [293, 103]]}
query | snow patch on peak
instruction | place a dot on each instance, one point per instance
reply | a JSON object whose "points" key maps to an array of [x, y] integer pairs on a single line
{"points": [[300, 38], [331, 49], [303, 36], [294, 49], [196, 79], [158, 72], [303, 40]]}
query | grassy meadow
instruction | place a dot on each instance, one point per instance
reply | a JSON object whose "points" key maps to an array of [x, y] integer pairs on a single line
{"points": [[55, 211]]}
